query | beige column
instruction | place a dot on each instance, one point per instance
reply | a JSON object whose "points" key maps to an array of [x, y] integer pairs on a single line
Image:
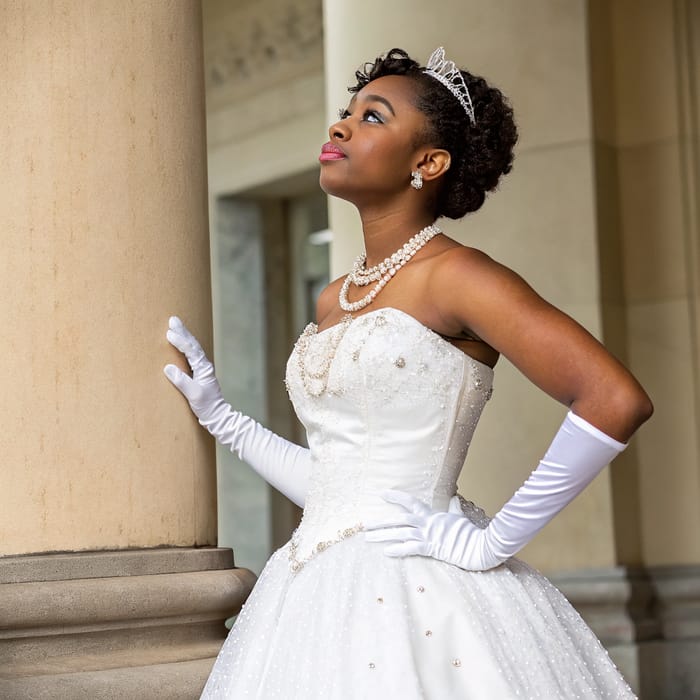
{"points": [[647, 126], [645, 65], [541, 223], [105, 235]]}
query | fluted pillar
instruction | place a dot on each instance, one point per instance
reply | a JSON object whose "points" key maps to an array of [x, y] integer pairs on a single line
{"points": [[648, 192], [104, 221]]}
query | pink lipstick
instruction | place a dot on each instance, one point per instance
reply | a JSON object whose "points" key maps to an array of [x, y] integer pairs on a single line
{"points": [[330, 152]]}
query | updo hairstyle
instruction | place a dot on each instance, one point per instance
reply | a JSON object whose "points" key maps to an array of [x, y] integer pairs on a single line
{"points": [[480, 152]]}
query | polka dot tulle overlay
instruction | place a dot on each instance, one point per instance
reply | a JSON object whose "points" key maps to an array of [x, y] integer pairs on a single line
{"points": [[355, 624], [396, 407]]}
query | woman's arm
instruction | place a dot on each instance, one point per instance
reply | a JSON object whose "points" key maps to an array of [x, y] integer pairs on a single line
{"points": [[472, 291], [283, 464]]}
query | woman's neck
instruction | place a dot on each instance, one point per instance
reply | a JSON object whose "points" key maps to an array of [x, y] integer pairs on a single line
{"points": [[385, 233]]}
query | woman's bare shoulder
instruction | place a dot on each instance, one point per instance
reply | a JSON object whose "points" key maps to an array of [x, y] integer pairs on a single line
{"points": [[463, 266], [472, 290]]}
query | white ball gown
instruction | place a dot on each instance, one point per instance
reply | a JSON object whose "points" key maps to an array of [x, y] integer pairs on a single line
{"points": [[389, 404]]}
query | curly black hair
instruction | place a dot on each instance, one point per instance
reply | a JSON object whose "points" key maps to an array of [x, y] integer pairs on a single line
{"points": [[481, 152]]}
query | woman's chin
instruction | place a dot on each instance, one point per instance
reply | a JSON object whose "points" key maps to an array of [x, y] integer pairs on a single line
{"points": [[331, 186]]}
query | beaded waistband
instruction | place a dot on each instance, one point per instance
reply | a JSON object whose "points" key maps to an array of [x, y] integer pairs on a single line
{"points": [[296, 564]]}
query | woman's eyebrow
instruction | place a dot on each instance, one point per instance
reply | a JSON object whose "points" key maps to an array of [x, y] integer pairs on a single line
{"points": [[383, 100]]}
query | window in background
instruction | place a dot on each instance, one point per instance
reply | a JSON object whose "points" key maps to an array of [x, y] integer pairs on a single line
{"points": [[272, 260]]}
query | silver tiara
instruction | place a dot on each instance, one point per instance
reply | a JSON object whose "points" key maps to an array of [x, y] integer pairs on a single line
{"points": [[449, 75]]}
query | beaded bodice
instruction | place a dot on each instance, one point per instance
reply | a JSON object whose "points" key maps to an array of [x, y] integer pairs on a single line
{"points": [[387, 404]]}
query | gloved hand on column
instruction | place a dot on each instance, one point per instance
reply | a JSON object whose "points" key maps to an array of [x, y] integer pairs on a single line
{"points": [[578, 452], [281, 463]]}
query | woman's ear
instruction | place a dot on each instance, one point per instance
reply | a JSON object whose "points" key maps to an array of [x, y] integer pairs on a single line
{"points": [[433, 163]]}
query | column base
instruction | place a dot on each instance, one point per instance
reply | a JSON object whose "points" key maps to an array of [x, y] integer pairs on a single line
{"points": [[124, 624], [649, 621]]}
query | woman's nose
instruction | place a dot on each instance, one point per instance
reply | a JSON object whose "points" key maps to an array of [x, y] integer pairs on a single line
{"points": [[339, 130]]}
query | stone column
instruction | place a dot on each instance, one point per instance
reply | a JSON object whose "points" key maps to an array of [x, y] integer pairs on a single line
{"points": [[105, 235], [645, 60]]}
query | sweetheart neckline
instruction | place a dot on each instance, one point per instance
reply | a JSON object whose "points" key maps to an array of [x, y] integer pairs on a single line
{"points": [[411, 318]]}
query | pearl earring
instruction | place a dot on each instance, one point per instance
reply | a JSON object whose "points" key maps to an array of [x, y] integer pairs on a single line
{"points": [[416, 179]]}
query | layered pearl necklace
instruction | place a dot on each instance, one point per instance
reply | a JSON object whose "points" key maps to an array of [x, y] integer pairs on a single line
{"points": [[382, 273], [316, 380]]}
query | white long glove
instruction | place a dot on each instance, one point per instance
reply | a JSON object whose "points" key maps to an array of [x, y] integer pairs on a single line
{"points": [[578, 452], [281, 463]]}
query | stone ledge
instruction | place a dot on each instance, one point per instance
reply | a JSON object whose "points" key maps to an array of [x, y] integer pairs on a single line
{"points": [[104, 564], [96, 601], [649, 620], [174, 681], [617, 603], [678, 594], [102, 623], [124, 648], [150, 627]]}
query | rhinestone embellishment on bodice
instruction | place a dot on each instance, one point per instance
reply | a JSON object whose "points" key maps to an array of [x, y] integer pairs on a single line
{"points": [[386, 403]]}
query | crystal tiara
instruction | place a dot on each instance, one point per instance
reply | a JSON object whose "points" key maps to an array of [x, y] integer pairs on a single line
{"points": [[450, 76]]}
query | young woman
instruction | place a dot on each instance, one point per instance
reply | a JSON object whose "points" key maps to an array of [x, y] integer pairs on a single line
{"points": [[393, 586]]}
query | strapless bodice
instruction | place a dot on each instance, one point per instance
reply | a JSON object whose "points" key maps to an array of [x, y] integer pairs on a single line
{"points": [[387, 404]]}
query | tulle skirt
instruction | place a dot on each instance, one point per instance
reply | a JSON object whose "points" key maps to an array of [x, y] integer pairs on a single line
{"points": [[355, 624]]}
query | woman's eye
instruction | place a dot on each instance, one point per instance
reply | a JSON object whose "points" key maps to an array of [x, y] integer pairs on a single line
{"points": [[369, 116]]}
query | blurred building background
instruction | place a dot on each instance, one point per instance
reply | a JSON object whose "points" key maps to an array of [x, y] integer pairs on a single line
{"points": [[108, 235]]}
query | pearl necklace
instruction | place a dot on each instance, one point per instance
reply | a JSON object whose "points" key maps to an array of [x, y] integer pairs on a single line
{"points": [[316, 380], [383, 272]]}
